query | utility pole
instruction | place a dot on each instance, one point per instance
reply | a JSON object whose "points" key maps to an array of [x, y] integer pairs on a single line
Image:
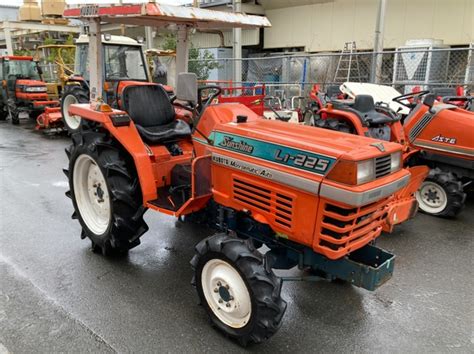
{"points": [[148, 34], [376, 67], [237, 44]]}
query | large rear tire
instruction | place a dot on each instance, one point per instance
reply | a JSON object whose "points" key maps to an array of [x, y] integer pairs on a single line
{"points": [[105, 193], [240, 295], [441, 194], [72, 95]]}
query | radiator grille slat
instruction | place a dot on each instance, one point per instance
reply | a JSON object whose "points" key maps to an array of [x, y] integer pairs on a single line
{"points": [[383, 165], [277, 205]]}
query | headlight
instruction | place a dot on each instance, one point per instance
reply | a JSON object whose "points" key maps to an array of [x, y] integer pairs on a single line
{"points": [[35, 89], [365, 171], [360, 172], [396, 162]]}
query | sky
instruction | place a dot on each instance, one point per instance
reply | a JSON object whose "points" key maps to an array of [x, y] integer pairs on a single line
{"points": [[173, 2]]}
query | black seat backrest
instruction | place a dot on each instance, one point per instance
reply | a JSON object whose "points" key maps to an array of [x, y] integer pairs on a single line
{"points": [[148, 105], [364, 103], [333, 91]]}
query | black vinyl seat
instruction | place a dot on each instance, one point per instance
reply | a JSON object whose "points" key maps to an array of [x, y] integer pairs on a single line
{"points": [[364, 108], [150, 108]]}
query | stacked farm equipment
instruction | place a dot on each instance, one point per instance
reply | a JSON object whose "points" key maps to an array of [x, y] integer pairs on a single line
{"points": [[57, 61]]}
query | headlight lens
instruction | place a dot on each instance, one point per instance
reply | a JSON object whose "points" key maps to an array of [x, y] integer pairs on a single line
{"points": [[365, 171], [360, 172], [35, 89], [396, 162]]}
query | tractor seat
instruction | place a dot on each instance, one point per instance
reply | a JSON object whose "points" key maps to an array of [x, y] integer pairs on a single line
{"points": [[150, 108], [364, 107]]}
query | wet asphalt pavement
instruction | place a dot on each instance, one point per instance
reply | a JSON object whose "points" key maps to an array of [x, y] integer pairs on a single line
{"points": [[58, 296]]}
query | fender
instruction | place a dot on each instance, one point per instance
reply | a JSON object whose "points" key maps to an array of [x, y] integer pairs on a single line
{"points": [[129, 138]]}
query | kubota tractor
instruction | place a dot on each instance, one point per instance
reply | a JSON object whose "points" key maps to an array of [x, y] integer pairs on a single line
{"points": [[316, 199], [124, 64], [434, 134], [22, 88]]}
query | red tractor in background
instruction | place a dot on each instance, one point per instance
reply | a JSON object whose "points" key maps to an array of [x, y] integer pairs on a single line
{"points": [[22, 88], [433, 134]]}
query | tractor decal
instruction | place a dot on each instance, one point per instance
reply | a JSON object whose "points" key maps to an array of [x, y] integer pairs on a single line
{"points": [[284, 178], [276, 153], [443, 139]]}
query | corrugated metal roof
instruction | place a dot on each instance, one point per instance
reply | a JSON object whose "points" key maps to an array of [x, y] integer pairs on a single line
{"points": [[159, 15]]}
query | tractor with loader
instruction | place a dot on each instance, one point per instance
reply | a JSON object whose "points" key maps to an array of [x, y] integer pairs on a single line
{"points": [[23, 89], [432, 133], [316, 199]]}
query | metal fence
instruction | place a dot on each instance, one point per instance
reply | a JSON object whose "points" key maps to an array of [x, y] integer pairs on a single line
{"points": [[402, 68]]}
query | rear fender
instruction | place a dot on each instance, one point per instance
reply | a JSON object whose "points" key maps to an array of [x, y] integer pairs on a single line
{"points": [[128, 137]]}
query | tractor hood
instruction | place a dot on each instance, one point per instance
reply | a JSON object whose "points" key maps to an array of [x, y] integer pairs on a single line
{"points": [[332, 144], [28, 82]]}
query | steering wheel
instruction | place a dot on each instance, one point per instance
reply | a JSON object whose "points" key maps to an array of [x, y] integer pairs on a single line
{"points": [[216, 92], [408, 96]]}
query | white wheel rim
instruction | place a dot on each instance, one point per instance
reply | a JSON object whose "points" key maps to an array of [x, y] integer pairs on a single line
{"points": [[72, 121], [226, 293], [92, 195], [431, 197]]}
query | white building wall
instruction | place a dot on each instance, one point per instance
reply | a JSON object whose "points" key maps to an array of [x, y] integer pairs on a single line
{"points": [[327, 26]]}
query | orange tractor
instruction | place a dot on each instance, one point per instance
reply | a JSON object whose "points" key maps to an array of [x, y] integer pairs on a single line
{"points": [[124, 64], [316, 199], [433, 134], [22, 88]]}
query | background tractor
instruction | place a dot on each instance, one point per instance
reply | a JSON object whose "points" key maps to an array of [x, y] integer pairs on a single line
{"points": [[22, 88], [124, 64], [316, 199], [432, 133]]}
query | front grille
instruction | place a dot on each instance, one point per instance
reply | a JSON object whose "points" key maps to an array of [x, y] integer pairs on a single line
{"points": [[276, 205], [383, 165], [342, 230]]}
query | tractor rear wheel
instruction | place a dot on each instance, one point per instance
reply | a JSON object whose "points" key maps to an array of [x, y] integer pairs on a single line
{"points": [[441, 194], [240, 295], [105, 193], [72, 94]]}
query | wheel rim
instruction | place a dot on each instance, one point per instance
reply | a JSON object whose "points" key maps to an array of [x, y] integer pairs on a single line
{"points": [[92, 195], [432, 198], [226, 293], [72, 120]]}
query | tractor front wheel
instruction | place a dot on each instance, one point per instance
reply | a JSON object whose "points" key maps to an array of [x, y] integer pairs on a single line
{"points": [[105, 193], [3, 113], [441, 194], [14, 113], [72, 95], [240, 295]]}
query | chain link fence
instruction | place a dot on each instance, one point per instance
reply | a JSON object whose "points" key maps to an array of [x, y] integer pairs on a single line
{"points": [[404, 69]]}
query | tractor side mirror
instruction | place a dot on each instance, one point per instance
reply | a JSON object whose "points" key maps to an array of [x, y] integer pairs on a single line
{"points": [[187, 88]]}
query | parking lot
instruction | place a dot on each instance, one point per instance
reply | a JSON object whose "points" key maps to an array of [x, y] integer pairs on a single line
{"points": [[56, 295]]}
